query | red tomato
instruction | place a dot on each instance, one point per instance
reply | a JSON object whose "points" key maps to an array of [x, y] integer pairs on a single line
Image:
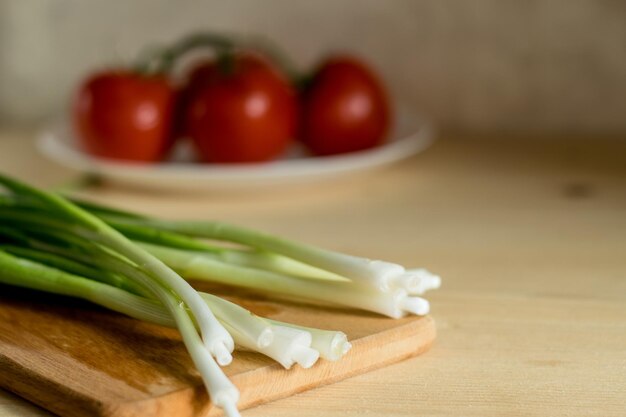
{"points": [[247, 113], [345, 108], [123, 115]]}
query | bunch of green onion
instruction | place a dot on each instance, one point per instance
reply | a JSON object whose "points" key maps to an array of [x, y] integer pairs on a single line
{"points": [[138, 266]]}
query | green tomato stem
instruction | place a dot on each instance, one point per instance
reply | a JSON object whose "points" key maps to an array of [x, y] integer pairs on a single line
{"points": [[163, 59]]}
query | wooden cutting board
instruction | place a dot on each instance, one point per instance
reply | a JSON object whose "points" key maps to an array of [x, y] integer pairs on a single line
{"points": [[77, 360]]}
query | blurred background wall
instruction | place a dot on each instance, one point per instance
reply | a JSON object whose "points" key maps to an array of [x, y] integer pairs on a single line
{"points": [[477, 65]]}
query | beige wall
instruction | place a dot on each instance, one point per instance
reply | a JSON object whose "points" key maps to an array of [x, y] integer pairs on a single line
{"points": [[551, 65]]}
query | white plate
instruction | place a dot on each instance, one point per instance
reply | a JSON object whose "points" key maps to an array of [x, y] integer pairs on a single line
{"points": [[181, 173]]}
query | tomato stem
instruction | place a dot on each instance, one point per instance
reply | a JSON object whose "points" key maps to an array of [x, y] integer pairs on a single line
{"points": [[163, 60], [226, 62]]}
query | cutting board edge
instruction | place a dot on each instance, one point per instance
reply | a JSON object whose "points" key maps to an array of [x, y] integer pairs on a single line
{"points": [[430, 335], [194, 400], [12, 378]]}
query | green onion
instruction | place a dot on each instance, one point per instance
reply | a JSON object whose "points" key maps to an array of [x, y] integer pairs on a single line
{"points": [[274, 253], [200, 266], [26, 273], [139, 266], [175, 294], [330, 344]]}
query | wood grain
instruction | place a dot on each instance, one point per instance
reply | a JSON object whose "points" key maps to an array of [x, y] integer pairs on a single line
{"points": [[531, 318], [76, 359]]}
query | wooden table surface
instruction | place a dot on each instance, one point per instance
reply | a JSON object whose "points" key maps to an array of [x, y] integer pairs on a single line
{"points": [[528, 235]]}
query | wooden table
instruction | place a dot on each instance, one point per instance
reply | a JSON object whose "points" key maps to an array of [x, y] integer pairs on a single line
{"points": [[529, 237]]}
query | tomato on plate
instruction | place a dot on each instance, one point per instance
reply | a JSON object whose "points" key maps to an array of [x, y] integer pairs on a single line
{"points": [[243, 110], [345, 108], [120, 114]]}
